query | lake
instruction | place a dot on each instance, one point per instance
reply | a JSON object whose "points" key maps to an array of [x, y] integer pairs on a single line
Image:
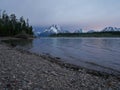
{"points": [[101, 54]]}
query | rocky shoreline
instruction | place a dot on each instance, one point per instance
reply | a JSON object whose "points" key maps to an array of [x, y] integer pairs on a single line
{"points": [[22, 70]]}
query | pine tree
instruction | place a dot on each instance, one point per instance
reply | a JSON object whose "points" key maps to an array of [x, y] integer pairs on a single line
{"points": [[10, 25]]}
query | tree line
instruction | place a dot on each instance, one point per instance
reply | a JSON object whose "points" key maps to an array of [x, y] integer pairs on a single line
{"points": [[10, 25], [94, 34]]}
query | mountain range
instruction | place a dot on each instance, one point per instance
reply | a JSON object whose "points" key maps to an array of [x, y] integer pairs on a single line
{"points": [[55, 29], [109, 29]]}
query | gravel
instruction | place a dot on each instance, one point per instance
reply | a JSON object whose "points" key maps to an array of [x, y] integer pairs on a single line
{"points": [[20, 70]]}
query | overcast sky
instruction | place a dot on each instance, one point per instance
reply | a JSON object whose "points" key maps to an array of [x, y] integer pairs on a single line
{"points": [[86, 14]]}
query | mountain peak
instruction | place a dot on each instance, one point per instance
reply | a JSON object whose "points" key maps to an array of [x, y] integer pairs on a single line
{"points": [[53, 29], [108, 29]]}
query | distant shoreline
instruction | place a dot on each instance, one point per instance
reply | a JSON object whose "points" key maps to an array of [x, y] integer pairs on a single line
{"points": [[94, 34]]}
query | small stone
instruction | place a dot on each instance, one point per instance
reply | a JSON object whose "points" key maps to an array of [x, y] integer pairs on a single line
{"points": [[0, 83], [53, 73], [14, 76], [19, 89], [57, 57]]}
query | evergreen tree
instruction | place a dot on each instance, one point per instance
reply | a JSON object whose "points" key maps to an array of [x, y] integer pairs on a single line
{"points": [[10, 25]]}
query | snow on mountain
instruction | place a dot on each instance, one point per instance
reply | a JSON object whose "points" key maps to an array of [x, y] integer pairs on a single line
{"points": [[108, 29], [54, 29]]}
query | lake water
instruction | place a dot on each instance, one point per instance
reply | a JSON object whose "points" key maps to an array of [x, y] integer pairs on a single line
{"points": [[94, 53]]}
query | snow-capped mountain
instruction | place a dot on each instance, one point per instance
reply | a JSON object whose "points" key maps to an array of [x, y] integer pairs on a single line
{"points": [[54, 29], [108, 29], [78, 31]]}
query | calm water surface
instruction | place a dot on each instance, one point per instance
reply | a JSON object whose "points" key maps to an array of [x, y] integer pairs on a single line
{"points": [[95, 53]]}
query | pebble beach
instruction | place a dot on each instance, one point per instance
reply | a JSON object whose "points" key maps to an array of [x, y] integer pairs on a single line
{"points": [[21, 70]]}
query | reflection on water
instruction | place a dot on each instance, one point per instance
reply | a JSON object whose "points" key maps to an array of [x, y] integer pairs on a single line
{"points": [[94, 53], [21, 43]]}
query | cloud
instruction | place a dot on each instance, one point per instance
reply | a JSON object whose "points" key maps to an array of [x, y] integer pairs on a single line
{"points": [[44, 12]]}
